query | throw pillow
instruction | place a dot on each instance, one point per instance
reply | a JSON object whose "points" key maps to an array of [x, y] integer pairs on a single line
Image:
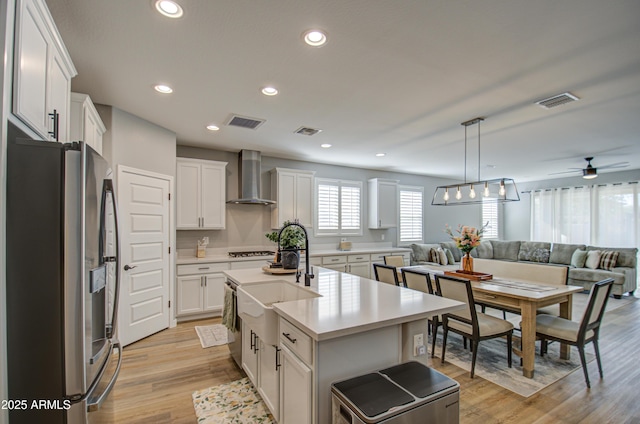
{"points": [[433, 256], [578, 258], [442, 257], [593, 259], [450, 259], [608, 259]]}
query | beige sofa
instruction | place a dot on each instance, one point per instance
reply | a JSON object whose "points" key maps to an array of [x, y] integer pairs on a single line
{"points": [[623, 272]]}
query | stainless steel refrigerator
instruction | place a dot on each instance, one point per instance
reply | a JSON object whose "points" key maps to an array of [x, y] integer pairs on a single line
{"points": [[62, 282]]}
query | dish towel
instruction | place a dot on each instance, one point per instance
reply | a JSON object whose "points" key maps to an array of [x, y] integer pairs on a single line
{"points": [[229, 310]]}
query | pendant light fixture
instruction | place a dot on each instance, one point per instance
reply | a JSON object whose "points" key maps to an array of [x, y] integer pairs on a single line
{"points": [[494, 190]]}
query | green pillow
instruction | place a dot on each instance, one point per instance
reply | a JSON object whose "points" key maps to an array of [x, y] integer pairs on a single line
{"points": [[578, 258], [450, 258]]}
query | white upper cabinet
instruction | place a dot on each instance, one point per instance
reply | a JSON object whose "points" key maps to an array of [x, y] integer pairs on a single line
{"points": [[42, 72], [292, 189], [201, 194], [86, 124], [383, 203]]}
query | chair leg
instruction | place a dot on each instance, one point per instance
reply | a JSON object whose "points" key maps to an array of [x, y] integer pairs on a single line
{"points": [[445, 330], [474, 346], [543, 347], [509, 347], [584, 365], [433, 336], [595, 347]]}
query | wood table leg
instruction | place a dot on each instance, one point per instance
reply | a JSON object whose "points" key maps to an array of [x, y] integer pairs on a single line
{"points": [[565, 312], [528, 311]]}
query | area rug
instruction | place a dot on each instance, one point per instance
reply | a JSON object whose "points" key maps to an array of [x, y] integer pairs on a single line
{"points": [[212, 335], [231, 403]]}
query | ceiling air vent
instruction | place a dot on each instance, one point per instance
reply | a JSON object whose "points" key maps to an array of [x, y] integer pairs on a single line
{"points": [[558, 100], [307, 131], [245, 122]]}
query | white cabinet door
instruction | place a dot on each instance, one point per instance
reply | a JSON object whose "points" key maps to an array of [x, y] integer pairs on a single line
{"points": [[213, 295], [250, 354], [189, 297], [85, 123], [42, 72], [296, 390], [269, 387], [201, 194], [383, 203], [213, 195], [293, 191], [361, 269]]}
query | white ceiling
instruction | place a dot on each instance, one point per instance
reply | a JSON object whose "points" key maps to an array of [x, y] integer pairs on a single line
{"points": [[397, 77]]}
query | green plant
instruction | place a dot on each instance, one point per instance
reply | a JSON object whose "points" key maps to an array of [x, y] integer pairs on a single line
{"points": [[292, 237]]}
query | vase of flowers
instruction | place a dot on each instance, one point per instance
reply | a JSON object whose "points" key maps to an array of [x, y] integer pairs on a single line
{"points": [[468, 238]]}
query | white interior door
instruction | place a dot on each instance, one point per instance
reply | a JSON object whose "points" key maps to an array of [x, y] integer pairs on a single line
{"points": [[145, 261]]}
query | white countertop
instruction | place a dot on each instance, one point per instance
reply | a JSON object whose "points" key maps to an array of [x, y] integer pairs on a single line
{"points": [[184, 259], [349, 304]]}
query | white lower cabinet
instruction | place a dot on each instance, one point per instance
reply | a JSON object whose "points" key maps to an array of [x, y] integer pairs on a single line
{"points": [[296, 390], [250, 342], [269, 377], [200, 289]]}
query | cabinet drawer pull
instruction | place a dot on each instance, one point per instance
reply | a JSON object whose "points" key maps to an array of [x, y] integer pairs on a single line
{"points": [[334, 260], [203, 268], [288, 336]]}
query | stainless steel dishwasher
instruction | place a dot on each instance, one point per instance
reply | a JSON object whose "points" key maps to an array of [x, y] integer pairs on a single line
{"points": [[408, 393]]}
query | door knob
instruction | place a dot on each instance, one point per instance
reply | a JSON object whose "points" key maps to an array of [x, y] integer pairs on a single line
{"points": [[127, 267]]}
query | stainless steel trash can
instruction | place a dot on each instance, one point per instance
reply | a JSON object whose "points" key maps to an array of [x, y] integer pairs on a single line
{"points": [[403, 394]]}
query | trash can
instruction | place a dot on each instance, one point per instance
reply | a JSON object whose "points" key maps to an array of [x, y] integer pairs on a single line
{"points": [[407, 393]]}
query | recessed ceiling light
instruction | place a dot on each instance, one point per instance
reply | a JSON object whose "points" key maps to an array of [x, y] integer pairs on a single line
{"points": [[164, 89], [325, 146], [213, 127], [315, 37], [269, 91], [380, 154], [169, 8]]}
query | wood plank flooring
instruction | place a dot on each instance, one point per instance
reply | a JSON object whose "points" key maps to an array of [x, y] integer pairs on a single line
{"points": [[160, 373]]}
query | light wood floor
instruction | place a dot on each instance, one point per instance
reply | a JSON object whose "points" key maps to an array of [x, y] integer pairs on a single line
{"points": [[160, 373]]}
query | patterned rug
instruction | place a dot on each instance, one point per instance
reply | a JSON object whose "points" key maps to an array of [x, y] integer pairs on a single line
{"points": [[231, 403], [212, 335]]}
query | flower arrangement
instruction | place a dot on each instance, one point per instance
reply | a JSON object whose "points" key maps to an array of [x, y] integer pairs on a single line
{"points": [[469, 237]]}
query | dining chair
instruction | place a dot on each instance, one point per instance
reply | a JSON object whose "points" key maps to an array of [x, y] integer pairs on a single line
{"points": [[395, 260], [550, 327], [421, 280], [468, 322], [386, 274]]}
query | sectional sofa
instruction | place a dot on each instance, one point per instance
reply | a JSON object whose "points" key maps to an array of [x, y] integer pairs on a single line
{"points": [[586, 265]]}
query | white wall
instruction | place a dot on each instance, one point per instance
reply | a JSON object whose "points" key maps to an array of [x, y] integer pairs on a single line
{"points": [[247, 224], [517, 215]]}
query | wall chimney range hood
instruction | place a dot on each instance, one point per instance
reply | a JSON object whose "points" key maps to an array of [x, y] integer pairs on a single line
{"points": [[249, 179]]}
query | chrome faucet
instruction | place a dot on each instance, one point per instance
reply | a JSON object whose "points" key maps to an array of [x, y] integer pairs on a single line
{"points": [[308, 275]]}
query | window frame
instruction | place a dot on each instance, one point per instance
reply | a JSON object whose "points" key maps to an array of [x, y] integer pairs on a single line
{"points": [[319, 232], [409, 188]]}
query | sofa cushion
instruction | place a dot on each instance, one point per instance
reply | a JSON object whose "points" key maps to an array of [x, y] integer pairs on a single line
{"points": [[451, 245], [505, 250], [593, 259], [561, 252], [421, 252], [578, 258], [608, 259], [450, 259], [577, 276], [485, 250], [534, 251], [627, 255]]}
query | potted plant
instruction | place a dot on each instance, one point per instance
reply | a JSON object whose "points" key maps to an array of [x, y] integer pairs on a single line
{"points": [[291, 241]]}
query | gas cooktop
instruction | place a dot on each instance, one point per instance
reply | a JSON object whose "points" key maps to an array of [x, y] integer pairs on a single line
{"points": [[251, 253]]}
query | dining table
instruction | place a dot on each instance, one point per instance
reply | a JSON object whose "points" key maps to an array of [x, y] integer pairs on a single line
{"points": [[523, 297]]}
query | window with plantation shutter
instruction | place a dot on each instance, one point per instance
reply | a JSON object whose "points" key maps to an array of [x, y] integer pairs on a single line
{"points": [[490, 215], [339, 207], [411, 205]]}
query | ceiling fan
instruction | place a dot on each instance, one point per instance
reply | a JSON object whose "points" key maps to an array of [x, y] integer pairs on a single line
{"points": [[591, 171]]}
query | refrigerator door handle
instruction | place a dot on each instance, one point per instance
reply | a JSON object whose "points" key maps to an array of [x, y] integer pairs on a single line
{"points": [[94, 402], [108, 189]]}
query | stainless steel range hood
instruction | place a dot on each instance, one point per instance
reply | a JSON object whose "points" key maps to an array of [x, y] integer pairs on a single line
{"points": [[249, 183]]}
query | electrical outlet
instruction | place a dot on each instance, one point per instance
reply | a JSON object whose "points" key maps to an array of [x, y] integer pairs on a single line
{"points": [[418, 342], [422, 350]]}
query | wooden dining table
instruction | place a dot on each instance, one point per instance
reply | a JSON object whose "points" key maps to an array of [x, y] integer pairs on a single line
{"points": [[526, 298]]}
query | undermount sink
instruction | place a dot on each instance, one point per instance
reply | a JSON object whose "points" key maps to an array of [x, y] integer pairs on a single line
{"points": [[255, 305]]}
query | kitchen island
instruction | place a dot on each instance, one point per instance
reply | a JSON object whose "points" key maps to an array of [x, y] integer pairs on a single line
{"points": [[355, 326]]}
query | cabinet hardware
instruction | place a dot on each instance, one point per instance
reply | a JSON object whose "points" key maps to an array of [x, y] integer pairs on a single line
{"points": [[288, 336], [55, 117], [203, 268], [278, 364], [253, 341]]}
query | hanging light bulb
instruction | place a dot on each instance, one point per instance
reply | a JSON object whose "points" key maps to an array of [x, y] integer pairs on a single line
{"points": [[446, 195], [502, 191], [458, 194], [486, 192], [472, 192]]}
